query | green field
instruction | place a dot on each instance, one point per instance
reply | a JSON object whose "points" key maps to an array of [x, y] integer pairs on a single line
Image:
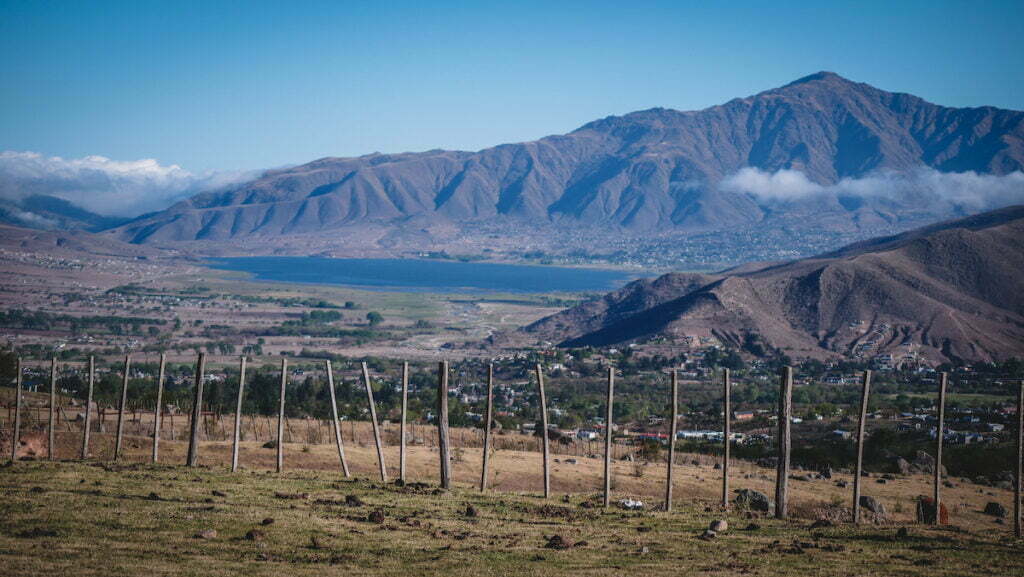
{"points": [[99, 519]]}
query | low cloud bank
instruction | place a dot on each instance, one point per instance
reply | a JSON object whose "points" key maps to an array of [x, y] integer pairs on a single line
{"points": [[968, 191], [104, 186]]}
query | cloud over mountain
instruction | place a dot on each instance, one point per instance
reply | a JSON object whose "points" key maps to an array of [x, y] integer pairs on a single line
{"points": [[123, 188]]}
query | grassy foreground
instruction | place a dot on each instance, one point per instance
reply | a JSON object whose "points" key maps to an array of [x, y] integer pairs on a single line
{"points": [[101, 519]]}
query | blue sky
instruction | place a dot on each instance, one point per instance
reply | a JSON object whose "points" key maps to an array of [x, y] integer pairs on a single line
{"points": [[244, 85]]}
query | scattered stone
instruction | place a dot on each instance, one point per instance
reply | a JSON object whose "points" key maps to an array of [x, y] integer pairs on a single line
{"points": [[631, 504], [37, 490], [37, 532], [207, 534], [752, 500], [826, 472], [557, 542], [902, 466], [644, 550], [902, 533], [717, 466], [842, 484], [268, 521], [926, 511], [821, 524], [255, 535], [752, 527], [644, 529], [719, 526], [882, 481], [570, 461], [353, 501], [471, 511], [270, 445], [281, 495], [873, 505], [376, 516], [995, 509], [216, 493], [317, 543], [153, 496]]}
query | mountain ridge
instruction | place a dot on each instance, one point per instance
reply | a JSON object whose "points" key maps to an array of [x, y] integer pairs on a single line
{"points": [[640, 171]]}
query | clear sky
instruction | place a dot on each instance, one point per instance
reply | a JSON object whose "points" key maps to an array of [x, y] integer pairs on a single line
{"points": [[245, 85]]}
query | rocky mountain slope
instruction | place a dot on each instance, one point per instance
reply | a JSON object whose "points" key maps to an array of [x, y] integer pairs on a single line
{"points": [[651, 169], [951, 290]]}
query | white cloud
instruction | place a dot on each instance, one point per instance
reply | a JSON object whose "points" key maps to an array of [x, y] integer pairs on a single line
{"points": [[105, 186], [967, 191]]}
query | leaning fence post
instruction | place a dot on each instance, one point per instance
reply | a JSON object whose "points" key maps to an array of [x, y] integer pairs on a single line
{"points": [[119, 439], [401, 429], [727, 433], [673, 416], [88, 409], [238, 415], [861, 423], [376, 428], [943, 377], [442, 424], [157, 413], [1019, 485], [52, 429], [280, 416], [608, 437], [16, 437], [197, 412], [487, 426], [785, 416], [337, 425], [544, 430]]}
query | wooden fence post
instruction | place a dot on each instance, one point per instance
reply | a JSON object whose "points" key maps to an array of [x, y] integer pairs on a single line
{"points": [[88, 409], [608, 436], [197, 413], [673, 417], [442, 424], [943, 378], [1019, 485], [158, 411], [726, 433], [488, 415], [337, 425], [376, 428], [861, 424], [785, 417], [16, 437], [52, 429], [401, 429], [119, 438], [544, 429], [237, 436], [280, 416]]}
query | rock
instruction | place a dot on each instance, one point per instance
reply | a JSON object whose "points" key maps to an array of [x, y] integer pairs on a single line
{"points": [[873, 505], [719, 526], [268, 521], [925, 463], [216, 493], [631, 504], [995, 509], [752, 500], [826, 473], [255, 535], [353, 501], [376, 516], [902, 533], [471, 511], [882, 481], [842, 484], [270, 445], [926, 511], [708, 535], [717, 467], [752, 527], [889, 477], [820, 524], [153, 497], [1007, 485], [569, 461], [902, 466], [557, 542], [206, 534], [282, 495]]}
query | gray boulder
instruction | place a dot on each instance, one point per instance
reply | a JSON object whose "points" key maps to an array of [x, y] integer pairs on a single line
{"points": [[752, 500], [873, 505], [996, 510]]}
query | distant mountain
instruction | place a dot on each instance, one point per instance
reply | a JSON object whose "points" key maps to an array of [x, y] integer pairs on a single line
{"points": [[647, 170], [50, 212], [951, 290]]}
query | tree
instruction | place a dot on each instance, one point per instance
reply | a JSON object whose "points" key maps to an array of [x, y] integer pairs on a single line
{"points": [[374, 318]]}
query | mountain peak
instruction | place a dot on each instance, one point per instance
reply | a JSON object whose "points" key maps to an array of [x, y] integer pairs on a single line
{"points": [[821, 76]]}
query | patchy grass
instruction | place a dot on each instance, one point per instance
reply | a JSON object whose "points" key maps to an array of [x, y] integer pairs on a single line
{"points": [[103, 519]]}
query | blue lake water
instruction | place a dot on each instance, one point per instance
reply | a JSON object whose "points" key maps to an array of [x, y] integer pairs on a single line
{"points": [[425, 275]]}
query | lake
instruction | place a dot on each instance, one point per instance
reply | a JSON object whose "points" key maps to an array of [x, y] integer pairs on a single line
{"points": [[425, 275]]}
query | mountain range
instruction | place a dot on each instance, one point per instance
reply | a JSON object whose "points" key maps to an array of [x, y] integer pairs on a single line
{"points": [[948, 291], [647, 170]]}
